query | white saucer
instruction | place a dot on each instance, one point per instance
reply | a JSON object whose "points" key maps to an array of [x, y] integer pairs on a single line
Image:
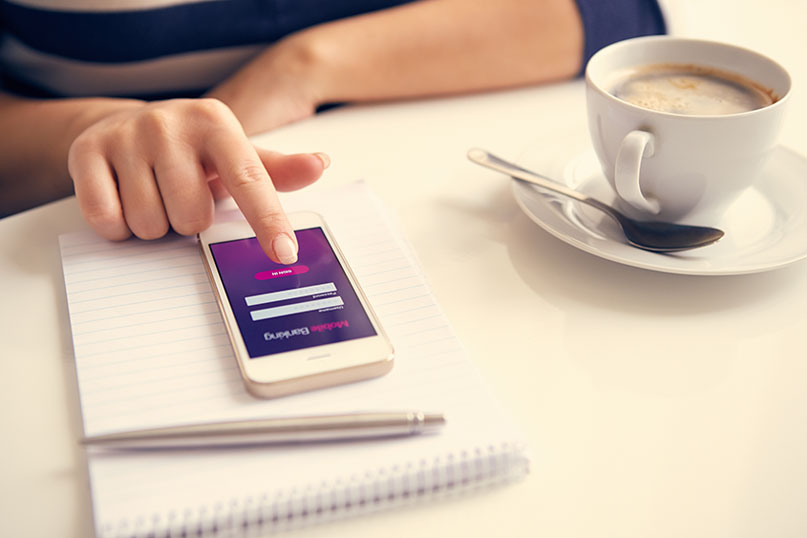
{"points": [[766, 228]]}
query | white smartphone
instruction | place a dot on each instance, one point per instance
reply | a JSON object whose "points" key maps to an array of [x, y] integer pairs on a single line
{"points": [[293, 327]]}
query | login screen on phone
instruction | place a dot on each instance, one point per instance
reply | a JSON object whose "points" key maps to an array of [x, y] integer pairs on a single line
{"points": [[287, 307]]}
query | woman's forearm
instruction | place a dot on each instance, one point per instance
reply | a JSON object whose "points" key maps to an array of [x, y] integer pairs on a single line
{"points": [[36, 140], [430, 47], [442, 47]]}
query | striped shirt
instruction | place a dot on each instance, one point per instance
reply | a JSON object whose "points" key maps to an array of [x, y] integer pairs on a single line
{"points": [[162, 48], [147, 47]]}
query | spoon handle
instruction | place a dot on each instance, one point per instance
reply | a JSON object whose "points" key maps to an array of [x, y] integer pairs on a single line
{"points": [[482, 157]]}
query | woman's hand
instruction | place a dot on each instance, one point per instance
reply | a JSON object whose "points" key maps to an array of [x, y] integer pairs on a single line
{"points": [[146, 168]]}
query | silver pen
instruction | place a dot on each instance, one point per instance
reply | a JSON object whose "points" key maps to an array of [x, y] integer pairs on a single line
{"points": [[302, 429]]}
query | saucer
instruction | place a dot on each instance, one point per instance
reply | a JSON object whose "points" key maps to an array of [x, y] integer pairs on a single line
{"points": [[766, 228]]}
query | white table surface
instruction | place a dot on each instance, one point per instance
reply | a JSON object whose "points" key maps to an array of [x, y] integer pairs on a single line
{"points": [[655, 404]]}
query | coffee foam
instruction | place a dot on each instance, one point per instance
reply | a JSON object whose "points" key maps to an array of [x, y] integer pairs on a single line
{"points": [[690, 90]]}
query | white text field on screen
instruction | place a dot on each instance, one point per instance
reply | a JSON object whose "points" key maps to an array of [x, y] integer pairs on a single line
{"points": [[275, 296], [296, 308]]}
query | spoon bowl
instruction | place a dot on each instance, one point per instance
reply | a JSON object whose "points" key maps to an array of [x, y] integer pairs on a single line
{"points": [[654, 236]]}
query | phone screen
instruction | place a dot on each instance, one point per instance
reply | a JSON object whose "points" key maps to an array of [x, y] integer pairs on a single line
{"points": [[282, 308]]}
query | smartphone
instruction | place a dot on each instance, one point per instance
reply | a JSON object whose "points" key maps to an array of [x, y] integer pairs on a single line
{"points": [[293, 327]]}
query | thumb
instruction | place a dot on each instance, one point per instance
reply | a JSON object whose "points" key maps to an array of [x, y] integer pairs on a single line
{"points": [[292, 172]]}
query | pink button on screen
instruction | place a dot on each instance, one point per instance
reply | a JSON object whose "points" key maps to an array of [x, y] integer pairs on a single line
{"points": [[286, 271]]}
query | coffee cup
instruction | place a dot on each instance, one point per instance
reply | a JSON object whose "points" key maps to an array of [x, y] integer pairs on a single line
{"points": [[682, 127]]}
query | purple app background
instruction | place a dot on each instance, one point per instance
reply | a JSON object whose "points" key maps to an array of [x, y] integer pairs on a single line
{"points": [[247, 272]]}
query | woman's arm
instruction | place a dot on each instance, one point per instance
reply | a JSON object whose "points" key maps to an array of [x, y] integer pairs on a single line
{"points": [[37, 134], [424, 48], [122, 154]]}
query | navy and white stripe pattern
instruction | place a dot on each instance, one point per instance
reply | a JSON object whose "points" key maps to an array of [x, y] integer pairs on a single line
{"points": [[147, 47], [161, 48], [609, 21]]}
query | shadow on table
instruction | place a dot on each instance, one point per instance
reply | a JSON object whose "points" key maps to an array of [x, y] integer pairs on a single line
{"points": [[632, 329], [654, 333], [562, 273], [32, 246]]}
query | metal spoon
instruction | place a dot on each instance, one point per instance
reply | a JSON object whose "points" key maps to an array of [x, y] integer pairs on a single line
{"points": [[647, 235]]}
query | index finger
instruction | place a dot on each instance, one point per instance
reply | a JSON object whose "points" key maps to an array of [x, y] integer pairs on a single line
{"points": [[242, 173]]}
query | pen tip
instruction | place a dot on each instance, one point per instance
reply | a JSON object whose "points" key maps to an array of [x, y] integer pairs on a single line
{"points": [[433, 419]]}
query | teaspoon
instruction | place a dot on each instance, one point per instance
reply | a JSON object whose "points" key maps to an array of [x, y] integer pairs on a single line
{"points": [[648, 235]]}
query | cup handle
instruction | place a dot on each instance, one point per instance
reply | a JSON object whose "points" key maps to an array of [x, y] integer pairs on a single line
{"points": [[635, 146]]}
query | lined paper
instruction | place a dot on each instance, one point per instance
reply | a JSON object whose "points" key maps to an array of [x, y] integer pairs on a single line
{"points": [[151, 351]]}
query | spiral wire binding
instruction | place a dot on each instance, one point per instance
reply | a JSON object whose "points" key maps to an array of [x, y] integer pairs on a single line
{"points": [[399, 485]]}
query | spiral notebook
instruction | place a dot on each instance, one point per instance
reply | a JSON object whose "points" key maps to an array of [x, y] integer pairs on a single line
{"points": [[151, 351]]}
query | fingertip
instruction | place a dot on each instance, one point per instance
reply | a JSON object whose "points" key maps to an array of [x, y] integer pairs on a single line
{"points": [[326, 160], [276, 237], [284, 249]]}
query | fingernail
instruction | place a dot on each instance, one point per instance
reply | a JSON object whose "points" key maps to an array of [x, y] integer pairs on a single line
{"points": [[326, 161], [285, 250]]}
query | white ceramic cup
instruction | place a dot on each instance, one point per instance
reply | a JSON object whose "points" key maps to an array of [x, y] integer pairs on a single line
{"points": [[679, 167]]}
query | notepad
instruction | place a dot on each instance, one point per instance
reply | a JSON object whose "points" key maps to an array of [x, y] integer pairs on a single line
{"points": [[151, 351]]}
